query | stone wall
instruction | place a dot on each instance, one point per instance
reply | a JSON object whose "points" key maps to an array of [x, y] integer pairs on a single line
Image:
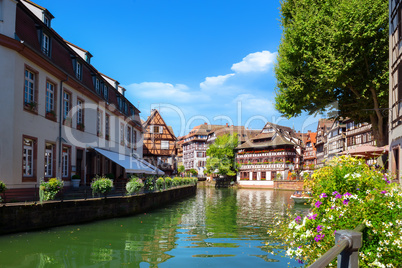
{"points": [[30, 216], [289, 185]]}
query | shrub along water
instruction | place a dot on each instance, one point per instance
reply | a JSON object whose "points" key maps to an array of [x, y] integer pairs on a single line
{"points": [[101, 185], [134, 185], [347, 193], [168, 182], [49, 189], [160, 184]]}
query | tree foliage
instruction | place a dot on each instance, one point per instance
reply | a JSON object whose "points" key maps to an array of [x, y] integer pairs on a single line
{"points": [[221, 155], [334, 51]]}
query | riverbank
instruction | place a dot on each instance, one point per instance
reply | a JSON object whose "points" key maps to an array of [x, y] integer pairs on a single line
{"points": [[21, 217], [295, 185]]}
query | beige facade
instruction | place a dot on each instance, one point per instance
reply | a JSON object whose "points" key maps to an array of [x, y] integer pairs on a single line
{"points": [[52, 113]]}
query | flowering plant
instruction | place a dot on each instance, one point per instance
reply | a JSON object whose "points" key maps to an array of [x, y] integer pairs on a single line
{"points": [[168, 182], [347, 193], [134, 185], [101, 185], [49, 189], [160, 182]]}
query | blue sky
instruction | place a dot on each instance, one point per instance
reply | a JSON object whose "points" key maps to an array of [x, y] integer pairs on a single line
{"points": [[195, 60]]}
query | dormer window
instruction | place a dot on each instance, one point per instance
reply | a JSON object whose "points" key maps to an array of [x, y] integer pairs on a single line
{"points": [[46, 44], [105, 92], [97, 85], [46, 20], [78, 70]]}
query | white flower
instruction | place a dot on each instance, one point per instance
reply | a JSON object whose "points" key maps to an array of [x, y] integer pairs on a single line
{"points": [[347, 175], [289, 252]]}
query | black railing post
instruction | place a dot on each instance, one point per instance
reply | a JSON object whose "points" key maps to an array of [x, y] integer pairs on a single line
{"points": [[349, 257]]}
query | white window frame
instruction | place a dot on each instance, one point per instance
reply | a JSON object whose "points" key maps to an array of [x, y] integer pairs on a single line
{"points": [[78, 70], [99, 122], [28, 158], [65, 162], [45, 44], [80, 114], [105, 92], [165, 145], [97, 85], [48, 160], [49, 97], [66, 103], [29, 87]]}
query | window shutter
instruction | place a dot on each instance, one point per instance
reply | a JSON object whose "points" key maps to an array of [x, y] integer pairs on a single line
{"points": [[160, 130], [152, 129]]}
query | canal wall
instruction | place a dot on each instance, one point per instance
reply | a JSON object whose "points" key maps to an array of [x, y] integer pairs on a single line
{"points": [[281, 185], [31, 216]]}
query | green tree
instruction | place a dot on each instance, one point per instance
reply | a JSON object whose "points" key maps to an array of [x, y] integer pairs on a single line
{"points": [[180, 169], [221, 155], [335, 51]]}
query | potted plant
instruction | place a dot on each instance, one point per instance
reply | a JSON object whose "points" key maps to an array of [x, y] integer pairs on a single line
{"points": [[49, 189], [31, 106], [134, 185], [51, 114], [75, 181], [101, 185]]}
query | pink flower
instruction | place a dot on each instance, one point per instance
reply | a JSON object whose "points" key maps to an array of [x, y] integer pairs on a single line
{"points": [[347, 194], [319, 237], [318, 204], [297, 219], [345, 202], [338, 196], [312, 217], [334, 193], [319, 228], [323, 195]]}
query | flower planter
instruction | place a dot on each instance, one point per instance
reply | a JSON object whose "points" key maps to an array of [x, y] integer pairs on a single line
{"points": [[75, 183]]}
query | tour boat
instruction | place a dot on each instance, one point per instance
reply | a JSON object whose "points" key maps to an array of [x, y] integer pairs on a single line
{"points": [[300, 197]]}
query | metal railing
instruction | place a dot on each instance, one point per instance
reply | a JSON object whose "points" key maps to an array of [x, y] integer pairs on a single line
{"points": [[347, 244]]}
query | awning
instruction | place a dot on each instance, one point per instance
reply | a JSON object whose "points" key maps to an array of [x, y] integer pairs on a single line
{"points": [[129, 163]]}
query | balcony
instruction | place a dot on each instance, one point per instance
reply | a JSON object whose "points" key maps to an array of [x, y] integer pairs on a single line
{"points": [[267, 154], [357, 130], [266, 166]]}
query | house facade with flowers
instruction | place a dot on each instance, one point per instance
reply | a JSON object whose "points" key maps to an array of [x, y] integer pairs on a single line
{"points": [[272, 154], [395, 88], [61, 116]]}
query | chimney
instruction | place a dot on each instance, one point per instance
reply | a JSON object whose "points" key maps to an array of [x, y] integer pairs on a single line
{"points": [[309, 131], [227, 124], [205, 123]]}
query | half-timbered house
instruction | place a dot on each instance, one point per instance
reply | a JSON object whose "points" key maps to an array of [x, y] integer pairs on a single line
{"points": [[159, 143]]}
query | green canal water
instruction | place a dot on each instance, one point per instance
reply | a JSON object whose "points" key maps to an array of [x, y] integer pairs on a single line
{"points": [[215, 228]]}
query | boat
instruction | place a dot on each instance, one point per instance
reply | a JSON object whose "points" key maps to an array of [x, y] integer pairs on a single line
{"points": [[300, 197]]}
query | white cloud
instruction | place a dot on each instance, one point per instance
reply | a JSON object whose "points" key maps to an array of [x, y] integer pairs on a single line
{"points": [[252, 103], [214, 81], [164, 91], [255, 62]]}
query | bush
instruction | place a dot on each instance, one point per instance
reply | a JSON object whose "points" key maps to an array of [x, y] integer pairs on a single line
{"points": [[48, 190], [134, 185], [101, 185], [345, 194], [149, 185], [168, 182], [160, 183], [3, 187], [176, 181]]}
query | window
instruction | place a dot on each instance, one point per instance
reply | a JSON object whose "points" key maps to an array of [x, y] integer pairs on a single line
{"points": [[107, 127], [129, 136], [28, 158], [157, 129], [80, 114], [121, 134], [46, 20], [50, 98], [99, 123], [29, 88], [66, 104], [46, 44], [49, 160], [78, 70], [105, 92], [65, 162], [200, 154], [97, 85], [134, 139], [164, 145]]}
